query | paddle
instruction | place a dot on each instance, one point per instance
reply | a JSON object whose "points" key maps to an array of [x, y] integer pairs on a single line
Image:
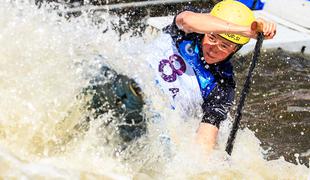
{"points": [[258, 27]]}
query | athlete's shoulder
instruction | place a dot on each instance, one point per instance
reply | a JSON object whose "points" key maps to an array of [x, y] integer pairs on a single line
{"points": [[226, 69], [224, 73]]}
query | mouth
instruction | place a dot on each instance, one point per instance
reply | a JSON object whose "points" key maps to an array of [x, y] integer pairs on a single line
{"points": [[212, 57]]}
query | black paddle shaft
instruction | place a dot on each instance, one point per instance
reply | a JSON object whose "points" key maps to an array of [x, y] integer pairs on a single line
{"points": [[245, 90]]}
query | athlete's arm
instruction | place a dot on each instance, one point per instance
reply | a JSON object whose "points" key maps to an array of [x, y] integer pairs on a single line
{"points": [[204, 23], [206, 136], [215, 109]]}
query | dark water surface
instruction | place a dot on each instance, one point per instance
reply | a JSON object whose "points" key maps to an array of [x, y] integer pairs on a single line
{"points": [[278, 105]]}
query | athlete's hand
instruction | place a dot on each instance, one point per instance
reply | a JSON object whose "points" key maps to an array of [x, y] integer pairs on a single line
{"points": [[260, 25]]}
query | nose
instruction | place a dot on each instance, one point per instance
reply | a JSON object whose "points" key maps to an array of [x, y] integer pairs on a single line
{"points": [[214, 49]]}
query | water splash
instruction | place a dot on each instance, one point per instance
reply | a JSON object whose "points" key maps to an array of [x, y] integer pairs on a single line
{"points": [[46, 60]]}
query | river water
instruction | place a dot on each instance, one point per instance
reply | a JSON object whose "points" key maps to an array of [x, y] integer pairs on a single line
{"points": [[47, 60]]}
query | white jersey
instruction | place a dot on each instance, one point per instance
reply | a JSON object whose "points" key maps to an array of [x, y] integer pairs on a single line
{"points": [[174, 75]]}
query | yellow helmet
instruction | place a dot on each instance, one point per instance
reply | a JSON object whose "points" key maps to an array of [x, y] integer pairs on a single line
{"points": [[234, 12]]}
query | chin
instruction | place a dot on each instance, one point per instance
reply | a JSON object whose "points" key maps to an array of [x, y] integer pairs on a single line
{"points": [[210, 61]]}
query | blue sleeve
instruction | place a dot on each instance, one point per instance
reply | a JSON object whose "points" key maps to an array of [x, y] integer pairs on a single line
{"points": [[217, 105]]}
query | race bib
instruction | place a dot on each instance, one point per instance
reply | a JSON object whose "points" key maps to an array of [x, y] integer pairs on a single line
{"points": [[175, 76]]}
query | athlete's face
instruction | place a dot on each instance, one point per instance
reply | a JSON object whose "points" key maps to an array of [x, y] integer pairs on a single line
{"points": [[216, 49]]}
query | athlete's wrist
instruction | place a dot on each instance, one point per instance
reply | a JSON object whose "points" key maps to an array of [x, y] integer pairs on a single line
{"points": [[247, 32]]}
